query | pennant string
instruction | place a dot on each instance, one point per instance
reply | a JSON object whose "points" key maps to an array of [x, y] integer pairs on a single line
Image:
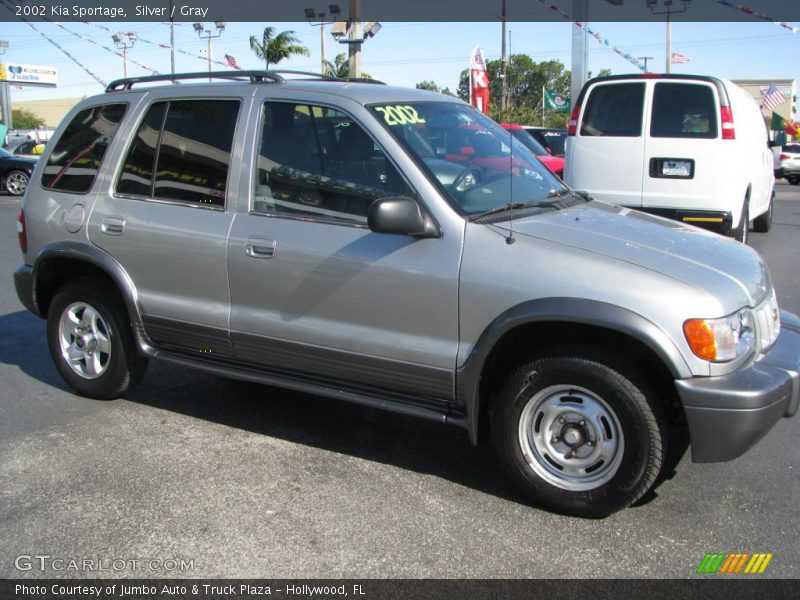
{"points": [[598, 38], [57, 45], [758, 15]]}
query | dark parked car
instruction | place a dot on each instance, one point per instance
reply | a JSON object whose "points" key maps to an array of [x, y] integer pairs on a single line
{"points": [[15, 172], [551, 138]]}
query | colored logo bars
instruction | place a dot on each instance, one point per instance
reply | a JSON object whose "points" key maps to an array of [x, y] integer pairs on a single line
{"points": [[734, 562]]}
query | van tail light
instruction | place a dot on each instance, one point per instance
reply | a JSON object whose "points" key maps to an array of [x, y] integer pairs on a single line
{"points": [[726, 116], [784, 157], [572, 124], [22, 234]]}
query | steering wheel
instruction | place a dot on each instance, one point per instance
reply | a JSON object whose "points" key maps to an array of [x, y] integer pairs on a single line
{"points": [[468, 179]]}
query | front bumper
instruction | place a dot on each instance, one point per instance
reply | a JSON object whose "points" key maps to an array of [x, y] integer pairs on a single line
{"points": [[728, 415]]}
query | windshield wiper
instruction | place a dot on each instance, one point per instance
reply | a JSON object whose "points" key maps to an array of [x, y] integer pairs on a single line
{"points": [[557, 204]]}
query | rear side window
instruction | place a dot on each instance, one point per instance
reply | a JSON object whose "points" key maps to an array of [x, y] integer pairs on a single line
{"points": [[683, 110], [182, 152], [614, 110], [74, 162]]}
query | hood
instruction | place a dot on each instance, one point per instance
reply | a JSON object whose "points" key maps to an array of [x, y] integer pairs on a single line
{"points": [[723, 267]]}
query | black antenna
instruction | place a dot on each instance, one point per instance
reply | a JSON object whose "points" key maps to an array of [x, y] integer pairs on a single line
{"points": [[511, 239]]}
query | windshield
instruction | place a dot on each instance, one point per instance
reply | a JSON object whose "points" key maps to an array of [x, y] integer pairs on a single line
{"points": [[552, 138], [478, 163]]}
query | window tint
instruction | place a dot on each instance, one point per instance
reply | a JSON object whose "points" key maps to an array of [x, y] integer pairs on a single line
{"points": [[318, 163], [136, 178], [614, 110], [189, 142], [74, 162], [683, 110]]}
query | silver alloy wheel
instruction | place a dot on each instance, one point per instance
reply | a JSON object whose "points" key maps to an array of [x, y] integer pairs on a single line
{"points": [[16, 182], [571, 438], [85, 340]]}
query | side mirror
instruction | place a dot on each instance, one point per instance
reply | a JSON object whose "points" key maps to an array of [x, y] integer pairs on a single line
{"points": [[398, 215]]}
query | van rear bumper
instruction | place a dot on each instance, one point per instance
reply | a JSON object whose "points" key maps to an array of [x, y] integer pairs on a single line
{"points": [[716, 221], [728, 415]]}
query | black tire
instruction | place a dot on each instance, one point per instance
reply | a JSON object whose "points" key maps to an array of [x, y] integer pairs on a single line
{"points": [[793, 179], [106, 375], [16, 182], [741, 232], [763, 223], [636, 419]]}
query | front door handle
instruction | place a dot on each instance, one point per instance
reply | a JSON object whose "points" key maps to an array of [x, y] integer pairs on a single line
{"points": [[259, 247]]}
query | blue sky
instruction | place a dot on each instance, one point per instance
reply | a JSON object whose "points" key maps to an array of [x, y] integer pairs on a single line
{"points": [[406, 53]]}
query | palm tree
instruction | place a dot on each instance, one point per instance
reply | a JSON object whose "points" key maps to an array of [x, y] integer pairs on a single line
{"points": [[340, 67], [272, 48]]}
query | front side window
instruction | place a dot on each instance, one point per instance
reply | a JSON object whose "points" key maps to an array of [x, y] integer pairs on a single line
{"points": [[74, 162], [479, 165], [318, 163], [181, 152], [614, 110], [683, 110]]}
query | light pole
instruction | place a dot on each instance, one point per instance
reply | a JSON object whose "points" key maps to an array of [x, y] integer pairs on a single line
{"points": [[311, 13], [669, 9], [645, 59], [202, 32], [123, 41], [5, 96]]}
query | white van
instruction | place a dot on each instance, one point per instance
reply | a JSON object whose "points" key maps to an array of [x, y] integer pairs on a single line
{"points": [[688, 147]]}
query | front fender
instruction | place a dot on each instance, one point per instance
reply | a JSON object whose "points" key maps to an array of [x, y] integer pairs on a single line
{"points": [[570, 310]]}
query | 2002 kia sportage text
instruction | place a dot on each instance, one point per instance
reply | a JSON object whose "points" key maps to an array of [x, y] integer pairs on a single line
{"points": [[396, 248]]}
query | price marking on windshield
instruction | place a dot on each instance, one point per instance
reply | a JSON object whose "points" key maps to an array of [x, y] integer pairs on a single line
{"points": [[400, 115]]}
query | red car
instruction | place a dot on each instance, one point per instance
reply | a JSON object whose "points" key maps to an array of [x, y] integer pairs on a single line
{"points": [[554, 163]]}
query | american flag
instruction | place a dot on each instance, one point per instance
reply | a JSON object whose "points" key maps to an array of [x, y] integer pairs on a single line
{"points": [[231, 62], [678, 58], [773, 97]]}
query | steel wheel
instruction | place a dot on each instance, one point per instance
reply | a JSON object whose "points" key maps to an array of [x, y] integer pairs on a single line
{"points": [[579, 432], [16, 183], [85, 340], [571, 438]]}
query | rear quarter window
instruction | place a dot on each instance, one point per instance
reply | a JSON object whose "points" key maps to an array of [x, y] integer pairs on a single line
{"points": [[77, 156], [683, 110], [614, 110]]}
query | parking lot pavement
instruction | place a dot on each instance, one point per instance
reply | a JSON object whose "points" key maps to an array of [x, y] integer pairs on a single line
{"points": [[240, 480]]}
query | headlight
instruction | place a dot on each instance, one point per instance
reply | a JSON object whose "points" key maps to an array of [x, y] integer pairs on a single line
{"points": [[721, 340]]}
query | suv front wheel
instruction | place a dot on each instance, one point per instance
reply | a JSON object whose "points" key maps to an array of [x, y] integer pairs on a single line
{"points": [[91, 342], [579, 434]]}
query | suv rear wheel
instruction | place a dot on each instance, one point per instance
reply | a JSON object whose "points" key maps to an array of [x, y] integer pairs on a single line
{"points": [[579, 434], [91, 342]]}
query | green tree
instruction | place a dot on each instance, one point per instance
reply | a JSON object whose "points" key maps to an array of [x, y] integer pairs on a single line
{"points": [[432, 86], [340, 67], [525, 80], [272, 48], [25, 119]]}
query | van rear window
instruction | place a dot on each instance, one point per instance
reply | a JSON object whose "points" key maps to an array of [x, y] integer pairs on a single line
{"points": [[614, 110], [683, 110], [74, 162]]}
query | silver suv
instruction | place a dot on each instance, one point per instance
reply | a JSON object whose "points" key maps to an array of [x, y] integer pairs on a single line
{"points": [[396, 248]]}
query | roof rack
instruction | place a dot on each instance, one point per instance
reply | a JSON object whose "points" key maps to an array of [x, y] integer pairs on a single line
{"points": [[252, 76]]}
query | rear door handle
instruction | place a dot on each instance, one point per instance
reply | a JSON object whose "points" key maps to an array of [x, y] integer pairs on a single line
{"points": [[113, 225], [259, 247]]}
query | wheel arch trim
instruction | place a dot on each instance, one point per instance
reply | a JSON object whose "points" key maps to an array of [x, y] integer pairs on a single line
{"points": [[100, 259], [571, 310]]}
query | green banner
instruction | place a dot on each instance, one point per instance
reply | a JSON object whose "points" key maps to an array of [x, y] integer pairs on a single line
{"points": [[555, 101]]}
